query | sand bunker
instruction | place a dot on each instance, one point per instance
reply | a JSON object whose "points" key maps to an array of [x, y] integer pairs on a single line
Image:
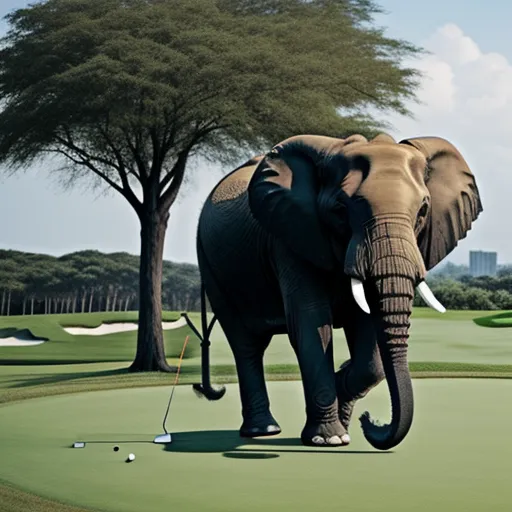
{"points": [[19, 338], [103, 329]]}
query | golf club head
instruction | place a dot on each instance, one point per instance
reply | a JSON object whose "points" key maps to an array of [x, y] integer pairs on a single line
{"points": [[210, 392], [163, 439]]}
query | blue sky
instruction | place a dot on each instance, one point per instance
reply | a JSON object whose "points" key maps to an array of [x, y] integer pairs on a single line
{"points": [[466, 99]]}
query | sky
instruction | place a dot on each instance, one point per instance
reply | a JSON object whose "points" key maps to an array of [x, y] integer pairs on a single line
{"points": [[466, 97]]}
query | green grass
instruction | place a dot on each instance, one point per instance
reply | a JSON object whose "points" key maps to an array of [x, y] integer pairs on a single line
{"points": [[503, 319], [452, 337], [448, 346], [65, 348], [24, 382], [456, 457], [440, 345]]}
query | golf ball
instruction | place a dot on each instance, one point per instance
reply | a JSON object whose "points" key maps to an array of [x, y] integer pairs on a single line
{"points": [[131, 457]]}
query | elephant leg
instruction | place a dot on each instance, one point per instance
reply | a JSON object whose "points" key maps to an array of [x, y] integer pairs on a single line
{"points": [[364, 370], [248, 349], [309, 323]]}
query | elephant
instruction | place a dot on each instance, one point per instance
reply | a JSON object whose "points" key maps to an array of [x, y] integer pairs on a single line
{"points": [[323, 233]]}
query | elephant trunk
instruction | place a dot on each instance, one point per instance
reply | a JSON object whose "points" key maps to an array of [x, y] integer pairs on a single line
{"points": [[395, 289], [389, 262]]}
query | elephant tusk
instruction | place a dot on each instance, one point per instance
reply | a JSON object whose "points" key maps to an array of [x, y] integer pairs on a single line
{"points": [[359, 296], [429, 297]]}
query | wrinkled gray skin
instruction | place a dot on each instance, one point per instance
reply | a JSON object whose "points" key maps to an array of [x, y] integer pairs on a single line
{"points": [[299, 240]]}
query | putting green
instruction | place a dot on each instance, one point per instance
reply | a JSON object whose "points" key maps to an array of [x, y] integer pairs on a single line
{"points": [[457, 456], [502, 319]]}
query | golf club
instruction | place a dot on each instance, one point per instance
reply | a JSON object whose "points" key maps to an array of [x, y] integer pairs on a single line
{"points": [[166, 437]]}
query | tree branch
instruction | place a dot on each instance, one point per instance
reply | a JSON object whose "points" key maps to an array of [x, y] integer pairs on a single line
{"points": [[138, 160], [87, 161], [73, 147], [175, 177], [121, 169], [158, 155]]}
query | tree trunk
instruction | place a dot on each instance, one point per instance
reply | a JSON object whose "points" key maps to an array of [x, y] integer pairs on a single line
{"points": [[9, 303], [83, 303], [73, 308], [3, 303], [90, 300], [150, 342], [114, 300], [45, 305], [32, 305], [107, 307]]}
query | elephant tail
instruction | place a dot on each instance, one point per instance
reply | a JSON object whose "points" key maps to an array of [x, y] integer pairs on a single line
{"points": [[205, 388]]}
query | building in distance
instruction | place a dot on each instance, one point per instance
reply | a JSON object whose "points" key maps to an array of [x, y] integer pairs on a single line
{"points": [[483, 263]]}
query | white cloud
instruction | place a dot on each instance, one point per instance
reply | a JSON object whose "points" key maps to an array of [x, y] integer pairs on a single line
{"points": [[466, 97], [438, 89], [451, 43]]}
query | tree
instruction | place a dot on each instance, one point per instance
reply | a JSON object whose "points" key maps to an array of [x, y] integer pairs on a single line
{"points": [[87, 281], [129, 90], [450, 269]]}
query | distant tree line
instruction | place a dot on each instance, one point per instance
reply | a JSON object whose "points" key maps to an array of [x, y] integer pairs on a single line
{"points": [[90, 281], [87, 281], [455, 288]]}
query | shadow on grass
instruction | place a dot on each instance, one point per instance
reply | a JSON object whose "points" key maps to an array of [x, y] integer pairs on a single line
{"points": [[22, 334], [50, 361], [231, 445], [68, 377]]}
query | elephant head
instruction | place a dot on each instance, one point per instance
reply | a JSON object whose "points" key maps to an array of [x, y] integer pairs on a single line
{"points": [[400, 207]]}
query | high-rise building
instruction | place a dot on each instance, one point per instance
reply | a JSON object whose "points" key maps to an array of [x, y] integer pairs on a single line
{"points": [[482, 263]]}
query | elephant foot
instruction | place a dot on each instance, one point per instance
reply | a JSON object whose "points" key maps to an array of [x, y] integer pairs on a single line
{"points": [[260, 428], [325, 434]]}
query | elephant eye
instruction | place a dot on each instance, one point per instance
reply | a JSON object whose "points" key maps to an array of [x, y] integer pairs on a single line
{"points": [[423, 210], [420, 219]]}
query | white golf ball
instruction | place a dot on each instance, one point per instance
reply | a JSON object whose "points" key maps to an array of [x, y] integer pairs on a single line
{"points": [[131, 457]]}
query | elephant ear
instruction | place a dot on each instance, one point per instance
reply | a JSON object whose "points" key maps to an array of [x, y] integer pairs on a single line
{"points": [[283, 196], [455, 200]]}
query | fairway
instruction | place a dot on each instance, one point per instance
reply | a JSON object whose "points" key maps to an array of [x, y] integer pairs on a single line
{"points": [[65, 348], [452, 337], [457, 457], [452, 459]]}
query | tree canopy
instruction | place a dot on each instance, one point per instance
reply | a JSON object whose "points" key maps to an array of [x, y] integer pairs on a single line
{"points": [[122, 86], [129, 90]]}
